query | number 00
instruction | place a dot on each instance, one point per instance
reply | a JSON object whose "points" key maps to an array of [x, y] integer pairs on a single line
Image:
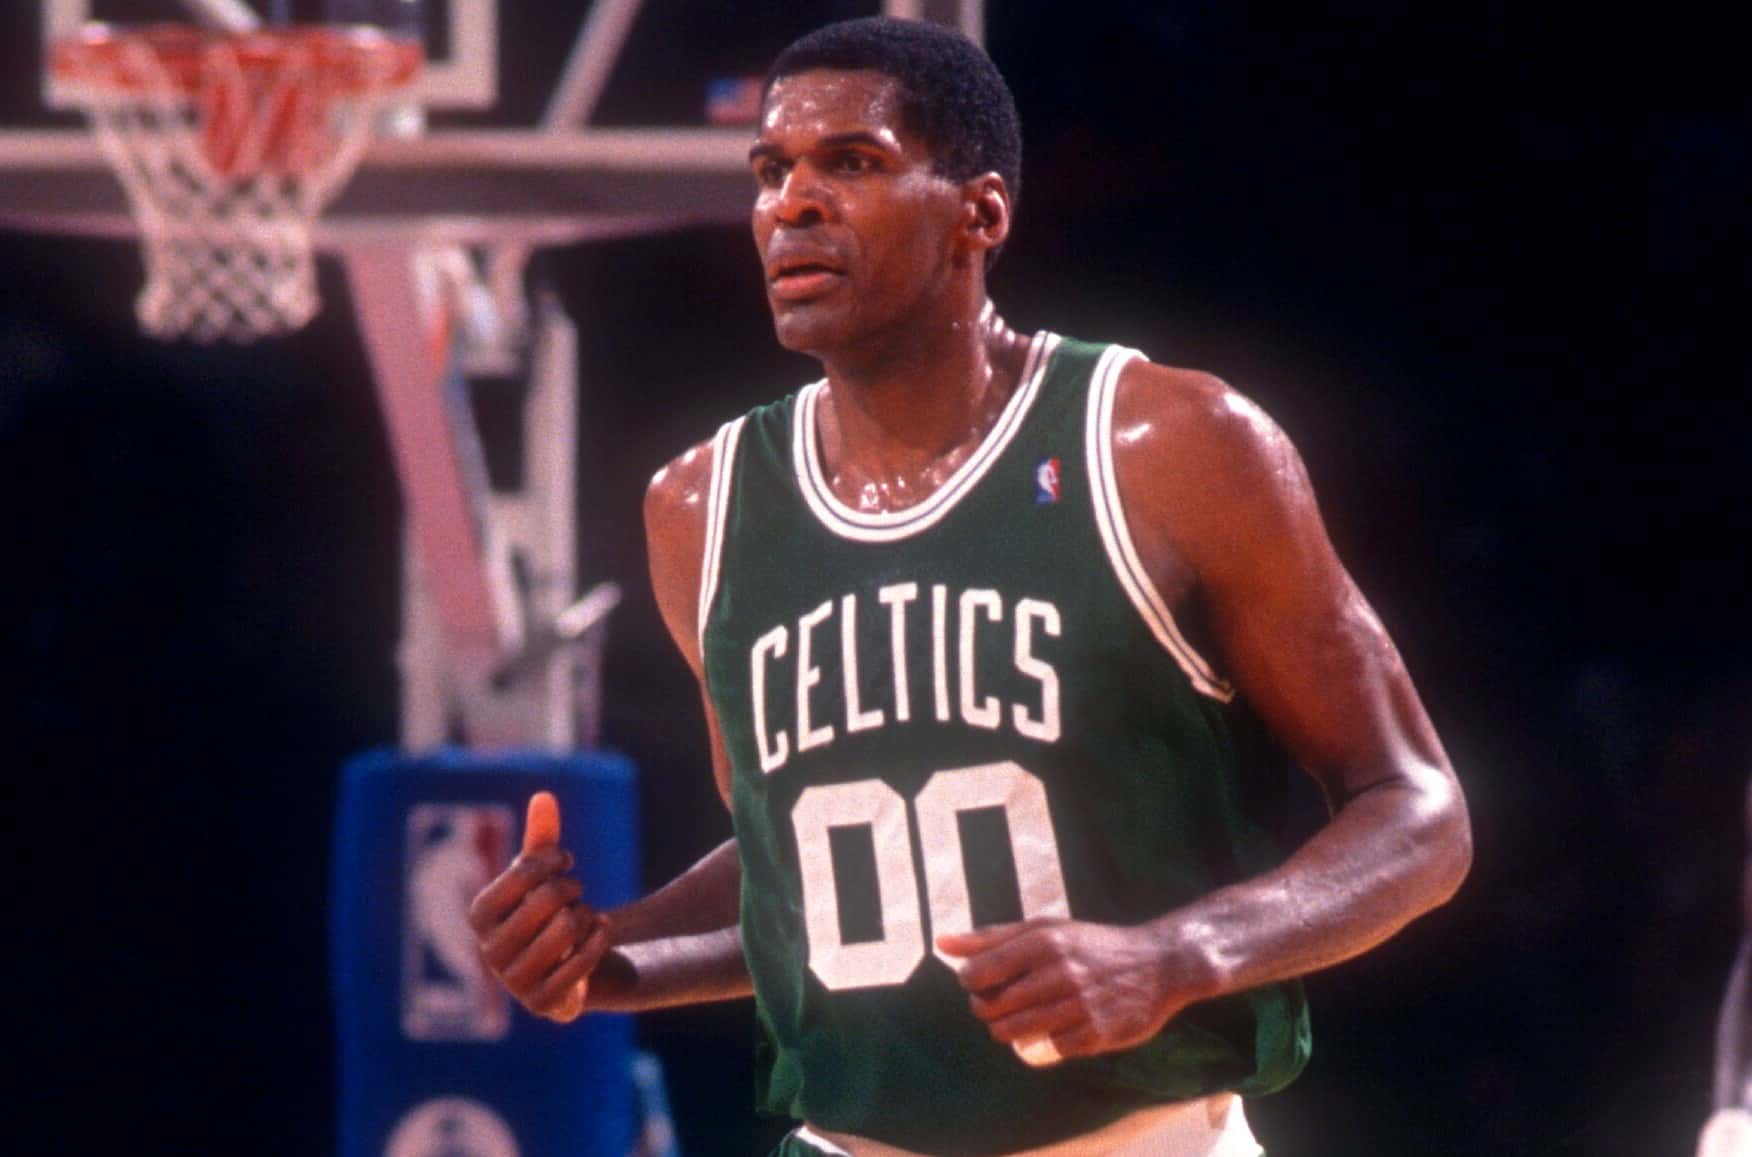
{"points": [[872, 803]]}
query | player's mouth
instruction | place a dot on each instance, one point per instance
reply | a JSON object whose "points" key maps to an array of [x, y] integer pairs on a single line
{"points": [[799, 279]]}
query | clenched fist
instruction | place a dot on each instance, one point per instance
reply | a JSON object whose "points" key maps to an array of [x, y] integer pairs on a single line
{"points": [[1062, 988], [535, 932]]}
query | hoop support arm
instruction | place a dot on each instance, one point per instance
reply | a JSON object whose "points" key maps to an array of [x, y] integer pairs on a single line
{"points": [[434, 455]]}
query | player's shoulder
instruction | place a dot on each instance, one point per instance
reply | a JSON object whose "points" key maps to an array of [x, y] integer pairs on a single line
{"points": [[676, 511], [1204, 472], [677, 492], [677, 497], [1179, 417]]}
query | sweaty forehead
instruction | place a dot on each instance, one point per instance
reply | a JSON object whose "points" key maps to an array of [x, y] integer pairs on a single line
{"points": [[830, 102]]}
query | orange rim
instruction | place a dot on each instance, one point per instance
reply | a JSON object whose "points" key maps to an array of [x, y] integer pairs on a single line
{"points": [[343, 61]]}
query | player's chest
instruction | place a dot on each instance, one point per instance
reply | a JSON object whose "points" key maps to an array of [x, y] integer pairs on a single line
{"points": [[812, 677]]}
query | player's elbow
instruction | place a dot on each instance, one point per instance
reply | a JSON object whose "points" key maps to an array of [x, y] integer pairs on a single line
{"points": [[1445, 836], [1427, 833]]}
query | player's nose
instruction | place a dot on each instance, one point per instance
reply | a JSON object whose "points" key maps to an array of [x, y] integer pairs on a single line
{"points": [[804, 198]]}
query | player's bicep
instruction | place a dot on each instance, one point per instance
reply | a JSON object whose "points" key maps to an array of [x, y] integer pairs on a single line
{"points": [[675, 535], [1324, 674], [1298, 637]]}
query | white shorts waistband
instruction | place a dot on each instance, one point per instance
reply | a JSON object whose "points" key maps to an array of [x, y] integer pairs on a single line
{"points": [[1214, 1126]]}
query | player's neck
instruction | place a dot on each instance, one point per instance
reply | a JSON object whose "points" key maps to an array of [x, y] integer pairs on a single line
{"points": [[893, 428]]}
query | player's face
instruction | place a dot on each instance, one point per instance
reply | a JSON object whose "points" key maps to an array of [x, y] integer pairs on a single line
{"points": [[856, 232]]}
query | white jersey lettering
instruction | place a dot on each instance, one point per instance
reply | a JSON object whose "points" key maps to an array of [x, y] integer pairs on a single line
{"points": [[772, 753], [897, 596], [808, 675], [988, 698], [1045, 728], [977, 712], [856, 720]]}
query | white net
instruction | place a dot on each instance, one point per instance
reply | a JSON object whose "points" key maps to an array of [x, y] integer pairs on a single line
{"points": [[229, 151]]}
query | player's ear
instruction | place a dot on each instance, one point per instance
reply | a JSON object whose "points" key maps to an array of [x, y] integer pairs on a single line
{"points": [[986, 213]]}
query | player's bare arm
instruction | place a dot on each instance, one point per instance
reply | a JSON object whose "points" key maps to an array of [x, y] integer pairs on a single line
{"points": [[679, 945], [1221, 509], [682, 944]]}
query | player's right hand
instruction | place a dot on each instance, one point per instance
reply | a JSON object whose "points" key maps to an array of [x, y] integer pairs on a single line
{"points": [[535, 933]]}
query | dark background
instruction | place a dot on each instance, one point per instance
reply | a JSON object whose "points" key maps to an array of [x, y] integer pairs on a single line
{"points": [[1488, 264]]}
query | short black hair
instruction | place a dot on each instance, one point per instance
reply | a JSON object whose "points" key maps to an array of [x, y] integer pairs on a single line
{"points": [[953, 95]]}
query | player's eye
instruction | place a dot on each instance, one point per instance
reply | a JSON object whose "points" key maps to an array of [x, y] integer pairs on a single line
{"points": [[770, 173], [852, 163]]}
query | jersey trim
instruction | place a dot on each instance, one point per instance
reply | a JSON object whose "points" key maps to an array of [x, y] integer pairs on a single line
{"points": [[891, 526], [717, 507], [1116, 534]]}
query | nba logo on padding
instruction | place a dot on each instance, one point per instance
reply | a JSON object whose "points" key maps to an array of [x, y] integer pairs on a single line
{"points": [[453, 850], [1046, 482]]}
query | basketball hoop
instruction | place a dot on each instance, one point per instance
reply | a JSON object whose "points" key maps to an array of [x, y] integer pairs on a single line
{"points": [[229, 146]]}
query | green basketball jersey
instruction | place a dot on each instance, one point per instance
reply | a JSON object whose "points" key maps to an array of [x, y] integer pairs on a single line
{"points": [[972, 711]]}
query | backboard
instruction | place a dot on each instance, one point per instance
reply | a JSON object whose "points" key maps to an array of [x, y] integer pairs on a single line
{"points": [[488, 180], [508, 144], [535, 124]]}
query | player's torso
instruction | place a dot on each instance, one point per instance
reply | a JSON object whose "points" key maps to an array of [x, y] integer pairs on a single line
{"points": [[945, 718]]}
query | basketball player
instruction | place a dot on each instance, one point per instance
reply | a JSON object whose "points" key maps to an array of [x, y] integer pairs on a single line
{"points": [[981, 620]]}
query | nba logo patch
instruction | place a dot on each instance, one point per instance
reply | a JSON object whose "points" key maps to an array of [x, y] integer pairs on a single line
{"points": [[452, 851], [1046, 482]]}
